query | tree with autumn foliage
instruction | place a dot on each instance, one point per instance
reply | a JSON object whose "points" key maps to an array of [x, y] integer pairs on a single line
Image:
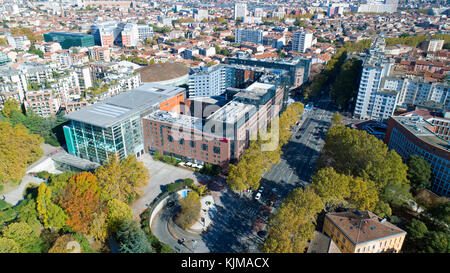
{"points": [[50, 214], [80, 200], [292, 225], [122, 179], [18, 149], [118, 212]]}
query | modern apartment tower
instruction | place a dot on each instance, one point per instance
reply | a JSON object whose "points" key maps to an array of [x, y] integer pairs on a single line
{"points": [[130, 35], [107, 33], [249, 35], [144, 32], [210, 81], [240, 10], [373, 101], [302, 40]]}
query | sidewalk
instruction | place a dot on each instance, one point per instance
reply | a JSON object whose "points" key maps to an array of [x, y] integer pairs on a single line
{"points": [[207, 212], [13, 197]]}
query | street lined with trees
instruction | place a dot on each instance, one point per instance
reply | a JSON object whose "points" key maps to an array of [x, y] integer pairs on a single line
{"points": [[255, 161]]}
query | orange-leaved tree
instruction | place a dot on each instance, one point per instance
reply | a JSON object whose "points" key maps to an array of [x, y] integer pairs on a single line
{"points": [[80, 200]]}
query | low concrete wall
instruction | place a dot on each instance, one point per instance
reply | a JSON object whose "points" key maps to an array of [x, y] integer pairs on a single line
{"points": [[46, 165], [163, 202]]}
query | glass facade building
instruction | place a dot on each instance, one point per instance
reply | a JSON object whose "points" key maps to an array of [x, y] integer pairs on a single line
{"points": [[114, 125], [68, 39], [98, 144]]}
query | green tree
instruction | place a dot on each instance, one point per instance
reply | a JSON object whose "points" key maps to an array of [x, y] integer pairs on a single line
{"points": [[99, 228], [27, 213], [436, 242], [345, 87], [419, 172], [357, 153], [24, 236], [363, 194], [336, 119], [382, 209], [441, 212], [416, 230], [8, 246], [332, 187], [396, 194], [189, 211], [131, 238]]}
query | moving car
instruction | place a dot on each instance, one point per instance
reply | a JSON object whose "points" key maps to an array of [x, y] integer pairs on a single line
{"points": [[258, 196]]}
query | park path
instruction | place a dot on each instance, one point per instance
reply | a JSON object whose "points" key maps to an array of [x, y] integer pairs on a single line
{"points": [[15, 195]]}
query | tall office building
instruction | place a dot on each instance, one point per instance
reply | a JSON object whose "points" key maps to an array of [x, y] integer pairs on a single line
{"points": [[432, 45], [249, 35], [18, 41], [302, 40], [240, 10], [200, 14]]}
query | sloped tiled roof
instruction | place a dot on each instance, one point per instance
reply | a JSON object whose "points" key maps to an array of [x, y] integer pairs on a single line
{"points": [[363, 226]]}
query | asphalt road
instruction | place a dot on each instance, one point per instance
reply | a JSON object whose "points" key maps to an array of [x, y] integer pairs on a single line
{"points": [[300, 155]]}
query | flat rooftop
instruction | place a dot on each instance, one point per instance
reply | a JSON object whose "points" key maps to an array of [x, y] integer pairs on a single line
{"points": [[419, 127], [115, 109], [232, 111], [74, 161], [176, 119], [255, 91]]}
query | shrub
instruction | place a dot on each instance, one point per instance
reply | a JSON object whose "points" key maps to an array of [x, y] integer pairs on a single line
{"points": [[157, 156], [43, 174], [4, 205], [188, 182]]}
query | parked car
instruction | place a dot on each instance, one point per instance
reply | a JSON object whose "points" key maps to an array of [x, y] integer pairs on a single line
{"points": [[258, 196], [261, 189]]}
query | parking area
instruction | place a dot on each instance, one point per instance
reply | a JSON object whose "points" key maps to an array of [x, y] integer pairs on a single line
{"points": [[161, 174]]}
